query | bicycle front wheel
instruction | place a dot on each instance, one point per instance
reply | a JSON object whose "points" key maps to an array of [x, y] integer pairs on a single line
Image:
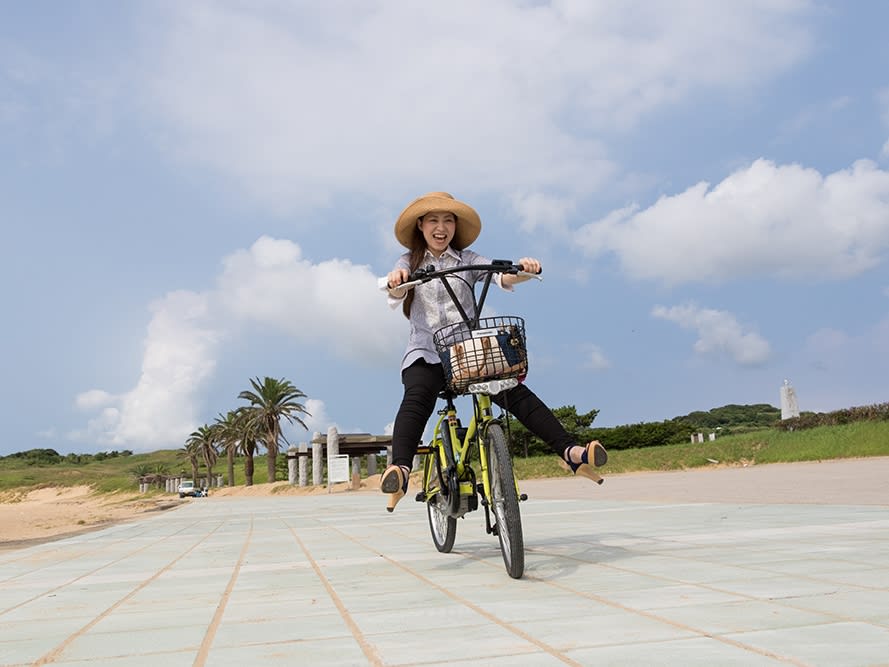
{"points": [[505, 501], [441, 524]]}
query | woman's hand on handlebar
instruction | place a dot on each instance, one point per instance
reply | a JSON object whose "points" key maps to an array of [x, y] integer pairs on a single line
{"points": [[530, 268], [530, 265], [396, 277]]}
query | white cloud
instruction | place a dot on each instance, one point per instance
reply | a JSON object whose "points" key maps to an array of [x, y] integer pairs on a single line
{"points": [[785, 221], [538, 210], [333, 305], [718, 332], [180, 354], [294, 102], [596, 359], [94, 398], [318, 421]]}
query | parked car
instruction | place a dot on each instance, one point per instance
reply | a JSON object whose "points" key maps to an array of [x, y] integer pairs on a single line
{"points": [[187, 488]]}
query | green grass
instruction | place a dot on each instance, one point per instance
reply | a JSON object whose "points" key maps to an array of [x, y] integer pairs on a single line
{"points": [[860, 439]]}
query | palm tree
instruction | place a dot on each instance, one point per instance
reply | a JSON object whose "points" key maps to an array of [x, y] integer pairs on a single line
{"points": [[191, 453], [271, 400], [229, 438], [203, 442], [247, 428]]}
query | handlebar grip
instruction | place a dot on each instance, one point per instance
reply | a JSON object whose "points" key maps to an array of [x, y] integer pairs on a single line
{"points": [[421, 273]]}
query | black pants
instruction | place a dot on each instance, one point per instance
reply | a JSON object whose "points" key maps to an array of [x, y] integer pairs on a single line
{"points": [[424, 381]]}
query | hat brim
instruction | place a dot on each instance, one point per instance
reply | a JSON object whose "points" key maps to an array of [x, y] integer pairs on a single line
{"points": [[469, 225]]}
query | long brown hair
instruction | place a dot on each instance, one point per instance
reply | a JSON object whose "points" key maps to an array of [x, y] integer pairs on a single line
{"points": [[418, 252]]}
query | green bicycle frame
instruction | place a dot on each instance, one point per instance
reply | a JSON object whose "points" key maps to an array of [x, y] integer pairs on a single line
{"points": [[482, 417]]}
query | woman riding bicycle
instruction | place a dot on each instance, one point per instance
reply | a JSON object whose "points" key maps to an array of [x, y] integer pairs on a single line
{"points": [[437, 230]]}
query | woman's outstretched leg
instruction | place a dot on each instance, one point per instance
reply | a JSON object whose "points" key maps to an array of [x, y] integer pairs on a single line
{"points": [[422, 383], [540, 420]]}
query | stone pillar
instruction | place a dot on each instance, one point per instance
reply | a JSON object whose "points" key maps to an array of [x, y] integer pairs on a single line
{"points": [[303, 462], [416, 463], [291, 465], [333, 449], [317, 450], [388, 456], [356, 472], [371, 465]]}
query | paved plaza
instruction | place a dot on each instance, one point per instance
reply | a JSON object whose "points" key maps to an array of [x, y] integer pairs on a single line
{"points": [[767, 565]]}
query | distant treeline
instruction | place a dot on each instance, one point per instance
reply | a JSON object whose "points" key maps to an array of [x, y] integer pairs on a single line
{"points": [[727, 420], [876, 412], [51, 456]]}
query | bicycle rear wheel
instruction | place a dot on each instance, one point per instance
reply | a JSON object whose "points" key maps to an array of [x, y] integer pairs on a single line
{"points": [[505, 501], [441, 524]]}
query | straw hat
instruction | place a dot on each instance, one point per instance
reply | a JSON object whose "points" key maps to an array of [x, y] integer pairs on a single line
{"points": [[469, 225]]}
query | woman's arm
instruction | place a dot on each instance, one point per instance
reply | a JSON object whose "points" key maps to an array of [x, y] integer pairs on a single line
{"points": [[528, 264]]}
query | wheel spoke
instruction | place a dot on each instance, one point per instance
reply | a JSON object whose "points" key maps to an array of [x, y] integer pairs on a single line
{"points": [[504, 501]]}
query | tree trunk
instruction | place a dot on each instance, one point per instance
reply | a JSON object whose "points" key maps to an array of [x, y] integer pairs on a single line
{"points": [[231, 466], [248, 468], [272, 462]]}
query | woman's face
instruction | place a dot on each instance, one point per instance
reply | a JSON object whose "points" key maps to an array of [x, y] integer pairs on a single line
{"points": [[438, 229]]}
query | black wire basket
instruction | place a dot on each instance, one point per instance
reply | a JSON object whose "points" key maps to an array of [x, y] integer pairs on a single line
{"points": [[495, 350]]}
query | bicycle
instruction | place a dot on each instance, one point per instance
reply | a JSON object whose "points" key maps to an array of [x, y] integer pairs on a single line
{"points": [[481, 357]]}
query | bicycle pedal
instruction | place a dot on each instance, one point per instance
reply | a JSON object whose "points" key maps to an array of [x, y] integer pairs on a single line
{"points": [[524, 496]]}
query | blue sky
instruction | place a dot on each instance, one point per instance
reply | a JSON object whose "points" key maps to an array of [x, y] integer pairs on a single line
{"points": [[196, 193]]}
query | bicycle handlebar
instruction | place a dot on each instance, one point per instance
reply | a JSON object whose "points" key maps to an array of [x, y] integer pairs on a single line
{"points": [[425, 274]]}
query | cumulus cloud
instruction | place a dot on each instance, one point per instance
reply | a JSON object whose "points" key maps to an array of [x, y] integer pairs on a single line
{"points": [[92, 399], [269, 284], [295, 102], [327, 303], [719, 332], [764, 220], [179, 355], [595, 358], [541, 211], [318, 420]]}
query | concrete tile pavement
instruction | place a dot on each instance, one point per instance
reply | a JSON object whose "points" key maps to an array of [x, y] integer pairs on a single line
{"points": [[335, 580]]}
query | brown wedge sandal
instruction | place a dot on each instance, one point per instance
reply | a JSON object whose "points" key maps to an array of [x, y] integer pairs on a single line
{"points": [[593, 450], [394, 482]]}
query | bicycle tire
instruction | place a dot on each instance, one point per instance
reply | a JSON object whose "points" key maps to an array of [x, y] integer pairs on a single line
{"points": [[442, 525], [505, 501]]}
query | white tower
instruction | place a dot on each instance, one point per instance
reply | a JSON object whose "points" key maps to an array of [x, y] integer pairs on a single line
{"points": [[789, 406]]}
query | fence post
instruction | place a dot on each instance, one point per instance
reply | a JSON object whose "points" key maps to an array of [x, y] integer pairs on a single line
{"points": [[291, 465], [333, 449], [303, 462], [316, 459], [356, 473]]}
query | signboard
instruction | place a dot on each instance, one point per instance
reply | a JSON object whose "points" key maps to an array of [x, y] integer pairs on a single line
{"points": [[338, 468]]}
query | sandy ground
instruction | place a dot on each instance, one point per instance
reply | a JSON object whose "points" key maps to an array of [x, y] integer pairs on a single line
{"points": [[33, 517]]}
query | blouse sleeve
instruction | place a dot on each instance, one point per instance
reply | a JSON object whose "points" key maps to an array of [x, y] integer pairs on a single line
{"points": [[383, 283]]}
